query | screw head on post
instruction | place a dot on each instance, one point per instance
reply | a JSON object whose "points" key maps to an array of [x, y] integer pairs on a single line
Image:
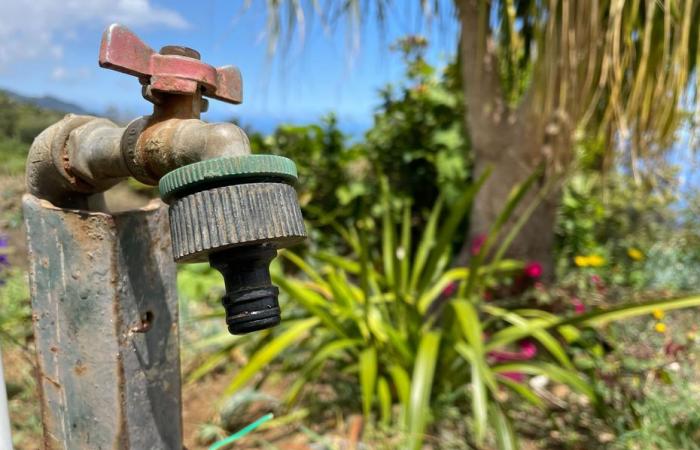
{"points": [[179, 50]]}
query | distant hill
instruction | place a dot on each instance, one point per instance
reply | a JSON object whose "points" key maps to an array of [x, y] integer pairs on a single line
{"points": [[46, 102], [21, 120]]}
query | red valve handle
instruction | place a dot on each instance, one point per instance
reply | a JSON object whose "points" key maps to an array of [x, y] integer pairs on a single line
{"points": [[123, 51]]}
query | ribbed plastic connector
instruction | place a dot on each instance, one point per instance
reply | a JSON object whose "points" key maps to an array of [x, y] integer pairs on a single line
{"points": [[244, 214], [236, 212]]}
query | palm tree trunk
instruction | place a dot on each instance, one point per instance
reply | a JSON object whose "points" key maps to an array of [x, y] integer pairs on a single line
{"points": [[513, 141]]}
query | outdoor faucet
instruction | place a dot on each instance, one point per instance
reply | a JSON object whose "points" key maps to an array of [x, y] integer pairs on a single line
{"points": [[226, 206]]}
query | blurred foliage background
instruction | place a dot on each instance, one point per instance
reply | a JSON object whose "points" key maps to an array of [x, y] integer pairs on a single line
{"points": [[390, 340]]}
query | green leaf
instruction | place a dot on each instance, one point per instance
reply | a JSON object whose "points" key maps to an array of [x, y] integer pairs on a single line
{"points": [[523, 218], [546, 339], [482, 378], [342, 293], [365, 266], [451, 276], [402, 383], [268, 352], [368, 378], [329, 350], [332, 349], [505, 436], [209, 364], [404, 255], [303, 265], [377, 325], [388, 238], [479, 405], [338, 261], [302, 380], [311, 301], [425, 245], [446, 233], [421, 386], [601, 317], [514, 333], [514, 198], [400, 345], [469, 323], [217, 341], [487, 375], [384, 395], [593, 318], [553, 372], [522, 390]]}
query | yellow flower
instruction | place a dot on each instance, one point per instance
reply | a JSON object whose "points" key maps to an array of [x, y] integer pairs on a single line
{"points": [[589, 261], [596, 261], [658, 314], [660, 327], [581, 261], [635, 254]]}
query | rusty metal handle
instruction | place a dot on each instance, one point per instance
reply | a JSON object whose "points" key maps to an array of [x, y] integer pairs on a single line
{"points": [[123, 51]]}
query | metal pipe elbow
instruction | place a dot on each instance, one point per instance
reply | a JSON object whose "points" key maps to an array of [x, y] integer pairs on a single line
{"points": [[83, 155], [152, 150], [49, 175]]}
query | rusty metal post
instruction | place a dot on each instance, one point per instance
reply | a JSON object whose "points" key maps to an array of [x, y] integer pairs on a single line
{"points": [[103, 286], [106, 327]]}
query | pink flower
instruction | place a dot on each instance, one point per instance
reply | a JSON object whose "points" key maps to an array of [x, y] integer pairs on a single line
{"points": [[449, 289], [533, 269], [477, 243], [501, 356], [598, 283], [579, 307], [515, 376], [528, 349]]}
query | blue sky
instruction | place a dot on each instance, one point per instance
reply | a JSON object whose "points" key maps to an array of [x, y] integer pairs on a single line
{"points": [[50, 47]]}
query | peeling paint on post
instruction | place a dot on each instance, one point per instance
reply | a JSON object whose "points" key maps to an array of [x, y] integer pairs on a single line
{"points": [[105, 318]]}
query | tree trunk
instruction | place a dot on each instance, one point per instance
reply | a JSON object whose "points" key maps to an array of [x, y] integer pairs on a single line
{"points": [[513, 142]]}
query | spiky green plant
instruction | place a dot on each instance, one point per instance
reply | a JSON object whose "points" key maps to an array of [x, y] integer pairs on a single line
{"points": [[381, 317]]}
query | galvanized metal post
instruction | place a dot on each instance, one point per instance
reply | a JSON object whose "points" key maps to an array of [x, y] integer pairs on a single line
{"points": [[106, 327]]}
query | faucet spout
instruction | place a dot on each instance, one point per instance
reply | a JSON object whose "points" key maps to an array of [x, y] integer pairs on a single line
{"points": [[82, 155]]}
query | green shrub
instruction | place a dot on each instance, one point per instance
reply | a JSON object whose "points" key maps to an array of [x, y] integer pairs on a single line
{"points": [[409, 334], [20, 123], [331, 172], [623, 223], [417, 141], [14, 305], [668, 419]]}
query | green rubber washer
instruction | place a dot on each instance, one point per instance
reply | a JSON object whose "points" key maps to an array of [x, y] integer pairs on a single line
{"points": [[226, 171]]}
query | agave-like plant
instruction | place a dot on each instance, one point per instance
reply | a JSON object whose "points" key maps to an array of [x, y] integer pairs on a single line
{"points": [[382, 315]]}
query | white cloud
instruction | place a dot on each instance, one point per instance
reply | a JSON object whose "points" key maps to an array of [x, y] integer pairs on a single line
{"points": [[70, 75], [31, 29]]}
